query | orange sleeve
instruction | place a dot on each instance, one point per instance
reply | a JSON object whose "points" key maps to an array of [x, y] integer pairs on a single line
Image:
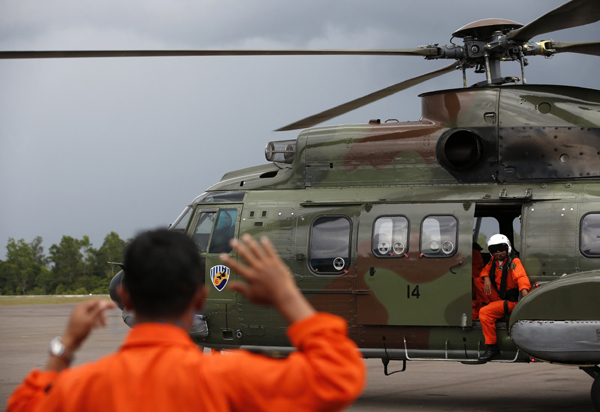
{"points": [[486, 270], [327, 371], [31, 392], [520, 276]]}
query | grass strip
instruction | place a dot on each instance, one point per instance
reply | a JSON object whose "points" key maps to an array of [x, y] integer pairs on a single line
{"points": [[46, 300]]}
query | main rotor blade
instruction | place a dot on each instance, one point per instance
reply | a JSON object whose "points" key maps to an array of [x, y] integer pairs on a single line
{"points": [[370, 98], [572, 14], [429, 51], [582, 47]]}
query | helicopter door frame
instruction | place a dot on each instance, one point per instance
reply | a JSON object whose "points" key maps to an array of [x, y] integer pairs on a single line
{"points": [[212, 258], [328, 292], [424, 286]]}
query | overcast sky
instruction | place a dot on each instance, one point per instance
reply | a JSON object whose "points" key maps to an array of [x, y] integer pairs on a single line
{"points": [[89, 146]]}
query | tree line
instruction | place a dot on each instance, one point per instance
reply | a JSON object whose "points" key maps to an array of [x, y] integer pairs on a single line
{"points": [[73, 266]]}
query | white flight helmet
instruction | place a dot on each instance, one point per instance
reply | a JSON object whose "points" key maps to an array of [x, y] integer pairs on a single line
{"points": [[498, 240]]}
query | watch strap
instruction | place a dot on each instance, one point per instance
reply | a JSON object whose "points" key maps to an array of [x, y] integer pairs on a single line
{"points": [[58, 349]]}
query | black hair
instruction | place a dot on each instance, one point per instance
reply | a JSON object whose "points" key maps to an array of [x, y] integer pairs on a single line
{"points": [[163, 271]]}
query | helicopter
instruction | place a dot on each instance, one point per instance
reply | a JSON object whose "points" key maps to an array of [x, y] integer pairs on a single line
{"points": [[377, 221]]}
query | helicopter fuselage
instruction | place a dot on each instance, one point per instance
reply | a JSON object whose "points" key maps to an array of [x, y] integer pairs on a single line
{"points": [[377, 223]]}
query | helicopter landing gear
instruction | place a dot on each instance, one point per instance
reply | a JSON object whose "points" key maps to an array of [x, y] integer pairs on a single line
{"points": [[596, 393], [594, 372]]}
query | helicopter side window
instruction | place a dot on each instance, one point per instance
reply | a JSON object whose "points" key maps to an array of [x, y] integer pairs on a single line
{"points": [[390, 237], [182, 220], [330, 245], [223, 232], [439, 236], [589, 243], [517, 234], [484, 227], [203, 229]]}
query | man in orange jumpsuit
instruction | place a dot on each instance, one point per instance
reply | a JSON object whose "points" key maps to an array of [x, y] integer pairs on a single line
{"points": [[159, 368], [497, 290]]}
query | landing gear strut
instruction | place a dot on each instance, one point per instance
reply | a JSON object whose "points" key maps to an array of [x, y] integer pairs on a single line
{"points": [[596, 393], [594, 372]]}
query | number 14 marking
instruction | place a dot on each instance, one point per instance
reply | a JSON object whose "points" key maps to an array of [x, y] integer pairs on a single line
{"points": [[415, 292]]}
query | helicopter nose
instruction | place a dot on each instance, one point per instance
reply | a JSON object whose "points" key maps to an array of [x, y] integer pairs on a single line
{"points": [[112, 288]]}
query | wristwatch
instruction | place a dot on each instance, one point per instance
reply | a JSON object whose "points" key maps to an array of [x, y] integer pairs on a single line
{"points": [[58, 349]]}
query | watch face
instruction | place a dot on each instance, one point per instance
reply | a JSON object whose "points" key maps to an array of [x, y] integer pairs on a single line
{"points": [[56, 347]]}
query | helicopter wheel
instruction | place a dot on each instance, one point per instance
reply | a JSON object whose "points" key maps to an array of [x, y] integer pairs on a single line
{"points": [[596, 393]]}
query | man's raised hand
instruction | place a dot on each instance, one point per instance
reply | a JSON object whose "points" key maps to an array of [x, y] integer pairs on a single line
{"points": [[269, 281]]}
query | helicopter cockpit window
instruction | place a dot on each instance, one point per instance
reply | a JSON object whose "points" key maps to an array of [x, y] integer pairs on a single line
{"points": [[203, 230], [330, 245], [590, 235], [221, 197], [223, 232], [390, 237], [439, 236], [182, 220]]}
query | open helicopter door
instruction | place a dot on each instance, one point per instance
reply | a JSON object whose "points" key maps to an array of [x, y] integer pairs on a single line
{"points": [[414, 264], [212, 227]]}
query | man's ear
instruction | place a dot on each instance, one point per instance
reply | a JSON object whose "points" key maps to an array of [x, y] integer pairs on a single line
{"points": [[123, 294]]}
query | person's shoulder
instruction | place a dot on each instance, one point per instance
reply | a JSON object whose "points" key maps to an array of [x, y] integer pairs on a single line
{"points": [[516, 263], [88, 371], [488, 266]]}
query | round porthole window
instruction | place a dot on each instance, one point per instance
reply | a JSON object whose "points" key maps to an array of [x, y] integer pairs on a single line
{"points": [[447, 248], [383, 248], [399, 248], [338, 263]]}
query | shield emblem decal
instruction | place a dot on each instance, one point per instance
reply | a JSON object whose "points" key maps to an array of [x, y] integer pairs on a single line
{"points": [[219, 275]]}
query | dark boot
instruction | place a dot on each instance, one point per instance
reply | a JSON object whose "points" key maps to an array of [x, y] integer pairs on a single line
{"points": [[491, 352]]}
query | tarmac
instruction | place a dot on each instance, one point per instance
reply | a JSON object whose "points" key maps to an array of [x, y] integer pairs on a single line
{"points": [[25, 332]]}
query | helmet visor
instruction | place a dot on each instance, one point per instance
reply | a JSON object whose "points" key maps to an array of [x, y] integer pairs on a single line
{"points": [[498, 248]]}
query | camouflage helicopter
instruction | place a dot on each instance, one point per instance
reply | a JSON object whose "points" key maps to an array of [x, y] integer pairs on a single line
{"points": [[377, 221]]}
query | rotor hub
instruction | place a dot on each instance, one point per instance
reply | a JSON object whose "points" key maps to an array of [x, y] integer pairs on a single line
{"points": [[484, 29]]}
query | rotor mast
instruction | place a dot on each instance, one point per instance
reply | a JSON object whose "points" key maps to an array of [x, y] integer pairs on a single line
{"points": [[485, 46]]}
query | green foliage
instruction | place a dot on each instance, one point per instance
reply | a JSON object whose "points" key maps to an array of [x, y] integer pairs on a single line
{"points": [[73, 266], [112, 250], [482, 241], [44, 281], [67, 259], [24, 263]]}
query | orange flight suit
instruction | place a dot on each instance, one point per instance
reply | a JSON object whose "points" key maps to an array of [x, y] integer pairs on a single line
{"points": [[159, 368], [491, 307]]}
